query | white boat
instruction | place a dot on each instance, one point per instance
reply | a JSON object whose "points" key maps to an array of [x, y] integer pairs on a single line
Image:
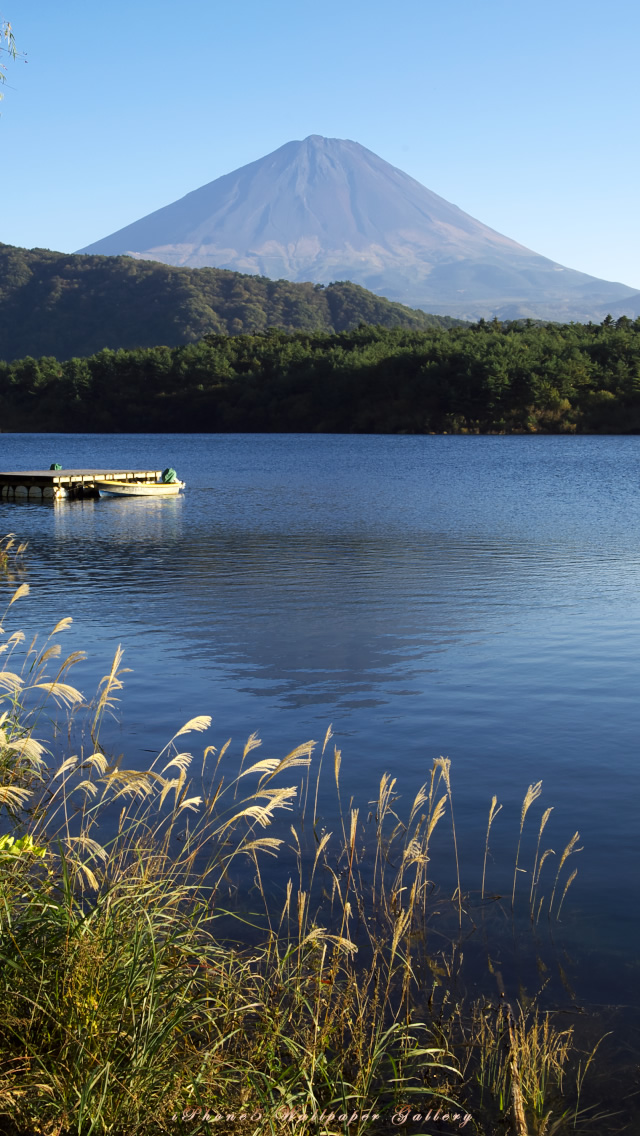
{"points": [[139, 488]]}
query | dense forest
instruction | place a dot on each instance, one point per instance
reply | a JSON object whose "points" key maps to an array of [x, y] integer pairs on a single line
{"points": [[53, 304], [485, 377]]}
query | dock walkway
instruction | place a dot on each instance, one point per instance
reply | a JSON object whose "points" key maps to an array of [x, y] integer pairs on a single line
{"points": [[54, 484]]}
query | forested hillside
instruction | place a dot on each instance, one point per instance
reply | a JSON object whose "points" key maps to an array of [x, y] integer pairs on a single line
{"points": [[487, 377], [53, 304]]}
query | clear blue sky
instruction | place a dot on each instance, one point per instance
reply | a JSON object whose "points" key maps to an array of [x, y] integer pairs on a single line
{"points": [[524, 115]]}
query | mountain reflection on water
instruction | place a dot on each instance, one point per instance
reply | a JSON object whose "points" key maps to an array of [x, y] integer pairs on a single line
{"points": [[470, 597]]}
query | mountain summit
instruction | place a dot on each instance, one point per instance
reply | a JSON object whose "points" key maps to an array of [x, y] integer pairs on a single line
{"points": [[328, 209]]}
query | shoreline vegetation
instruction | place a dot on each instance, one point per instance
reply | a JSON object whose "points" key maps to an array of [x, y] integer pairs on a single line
{"points": [[336, 1006], [496, 378]]}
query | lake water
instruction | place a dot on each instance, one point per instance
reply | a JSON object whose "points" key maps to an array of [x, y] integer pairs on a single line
{"points": [[473, 597]]}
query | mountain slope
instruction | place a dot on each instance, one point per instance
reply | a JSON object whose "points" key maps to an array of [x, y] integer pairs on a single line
{"points": [[66, 305], [326, 209]]}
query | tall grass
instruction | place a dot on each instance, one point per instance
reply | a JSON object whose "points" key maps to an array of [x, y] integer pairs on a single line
{"points": [[133, 1001]]}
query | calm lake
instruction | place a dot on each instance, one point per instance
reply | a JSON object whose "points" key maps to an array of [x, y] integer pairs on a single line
{"points": [[472, 597]]}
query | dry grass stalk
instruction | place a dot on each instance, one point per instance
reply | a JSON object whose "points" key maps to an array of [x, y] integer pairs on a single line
{"points": [[566, 888], [545, 817], [569, 850], [444, 765], [531, 795], [493, 812], [517, 1101]]}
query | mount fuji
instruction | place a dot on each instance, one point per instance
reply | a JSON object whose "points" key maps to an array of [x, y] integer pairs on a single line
{"points": [[326, 209]]}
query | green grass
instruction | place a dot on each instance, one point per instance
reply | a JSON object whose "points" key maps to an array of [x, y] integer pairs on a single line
{"points": [[126, 1009]]}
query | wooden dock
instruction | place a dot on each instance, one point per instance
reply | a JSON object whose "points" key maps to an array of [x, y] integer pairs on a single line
{"points": [[57, 484]]}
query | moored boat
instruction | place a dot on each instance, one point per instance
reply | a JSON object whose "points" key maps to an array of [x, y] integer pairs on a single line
{"points": [[139, 488]]}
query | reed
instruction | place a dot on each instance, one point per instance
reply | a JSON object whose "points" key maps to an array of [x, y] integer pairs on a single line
{"points": [[531, 795], [136, 1000], [521, 1060], [569, 851], [532, 891], [493, 812]]}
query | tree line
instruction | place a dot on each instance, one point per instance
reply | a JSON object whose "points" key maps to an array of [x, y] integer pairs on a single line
{"points": [[488, 377]]}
